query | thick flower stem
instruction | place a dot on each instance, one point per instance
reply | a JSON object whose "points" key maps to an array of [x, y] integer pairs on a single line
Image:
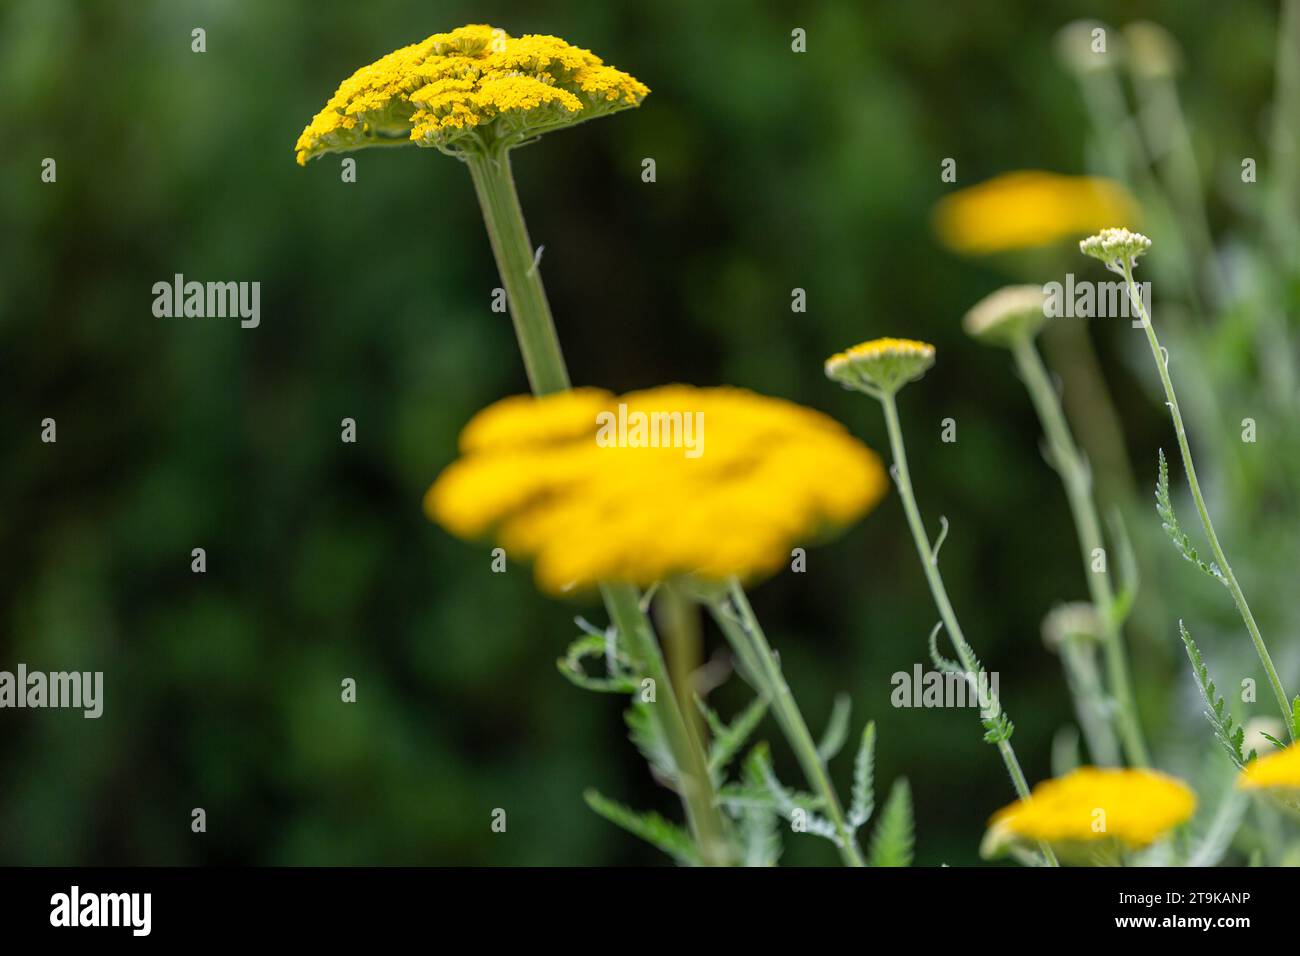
{"points": [[1073, 470], [1230, 579], [737, 620], [949, 617], [693, 781], [534, 327], [544, 362]]}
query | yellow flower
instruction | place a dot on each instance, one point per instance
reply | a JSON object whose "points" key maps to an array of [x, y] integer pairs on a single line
{"points": [[1275, 771], [474, 88], [711, 482], [1092, 805], [880, 365], [1027, 208]]}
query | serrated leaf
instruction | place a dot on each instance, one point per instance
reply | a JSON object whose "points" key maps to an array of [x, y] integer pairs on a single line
{"points": [[940, 662], [837, 728], [1225, 730], [1165, 509], [729, 738], [864, 769], [593, 646], [784, 800], [759, 827], [744, 796], [893, 838], [649, 826], [644, 731]]}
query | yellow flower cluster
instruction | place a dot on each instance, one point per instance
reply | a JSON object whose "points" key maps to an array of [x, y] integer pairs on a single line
{"points": [[472, 88], [1094, 804], [711, 482], [880, 365], [1027, 208], [1274, 771]]}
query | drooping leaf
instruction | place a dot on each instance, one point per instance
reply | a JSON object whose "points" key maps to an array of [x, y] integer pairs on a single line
{"points": [[589, 646], [1165, 509], [644, 731], [837, 728], [649, 826], [864, 769], [893, 838]]}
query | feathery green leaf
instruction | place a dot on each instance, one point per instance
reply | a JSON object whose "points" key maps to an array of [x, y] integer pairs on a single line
{"points": [[1216, 712], [650, 826], [1165, 509], [837, 728], [893, 837], [864, 770]]}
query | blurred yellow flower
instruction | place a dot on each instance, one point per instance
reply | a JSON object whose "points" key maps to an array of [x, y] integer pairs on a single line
{"points": [[474, 88], [880, 365], [1028, 208], [1275, 771], [1093, 804], [711, 482]]}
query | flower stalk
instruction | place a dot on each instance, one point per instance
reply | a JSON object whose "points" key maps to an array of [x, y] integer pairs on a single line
{"points": [[739, 624], [1072, 468], [1125, 268]]}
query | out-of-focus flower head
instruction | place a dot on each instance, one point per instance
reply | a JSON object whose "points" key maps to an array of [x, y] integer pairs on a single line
{"points": [[1152, 50], [474, 89], [677, 480], [1007, 316], [1278, 772], [880, 365], [1028, 208], [1093, 806], [1072, 622]]}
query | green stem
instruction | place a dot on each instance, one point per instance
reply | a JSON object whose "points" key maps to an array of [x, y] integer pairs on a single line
{"points": [[965, 654], [534, 327], [1220, 558], [696, 788], [544, 362], [1073, 470], [741, 627]]}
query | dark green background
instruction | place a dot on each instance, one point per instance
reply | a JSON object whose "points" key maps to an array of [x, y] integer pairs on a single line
{"points": [[775, 171]]}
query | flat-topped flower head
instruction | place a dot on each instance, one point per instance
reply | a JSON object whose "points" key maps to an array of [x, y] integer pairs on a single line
{"points": [[474, 89], [1115, 247], [1074, 622], [1091, 807], [880, 366], [1278, 772], [1028, 208], [673, 481], [1009, 315]]}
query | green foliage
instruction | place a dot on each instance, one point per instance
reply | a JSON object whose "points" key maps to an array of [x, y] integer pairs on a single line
{"points": [[892, 840], [644, 731], [619, 680], [864, 769], [759, 826], [649, 826], [837, 729], [1165, 509], [1229, 735], [727, 739]]}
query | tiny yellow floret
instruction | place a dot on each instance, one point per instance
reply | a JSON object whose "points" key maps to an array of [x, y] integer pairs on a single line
{"points": [[474, 89]]}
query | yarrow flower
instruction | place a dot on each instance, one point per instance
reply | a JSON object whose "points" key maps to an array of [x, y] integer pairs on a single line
{"points": [[595, 488], [475, 88], [1092, 805], [1074, 621], [1008, 315], [1115, 247], [880, 365], [1028, 208], [1279, 771]]}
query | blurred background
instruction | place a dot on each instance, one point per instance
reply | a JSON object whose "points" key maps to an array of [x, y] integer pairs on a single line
{"points": [[775, 170]]}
